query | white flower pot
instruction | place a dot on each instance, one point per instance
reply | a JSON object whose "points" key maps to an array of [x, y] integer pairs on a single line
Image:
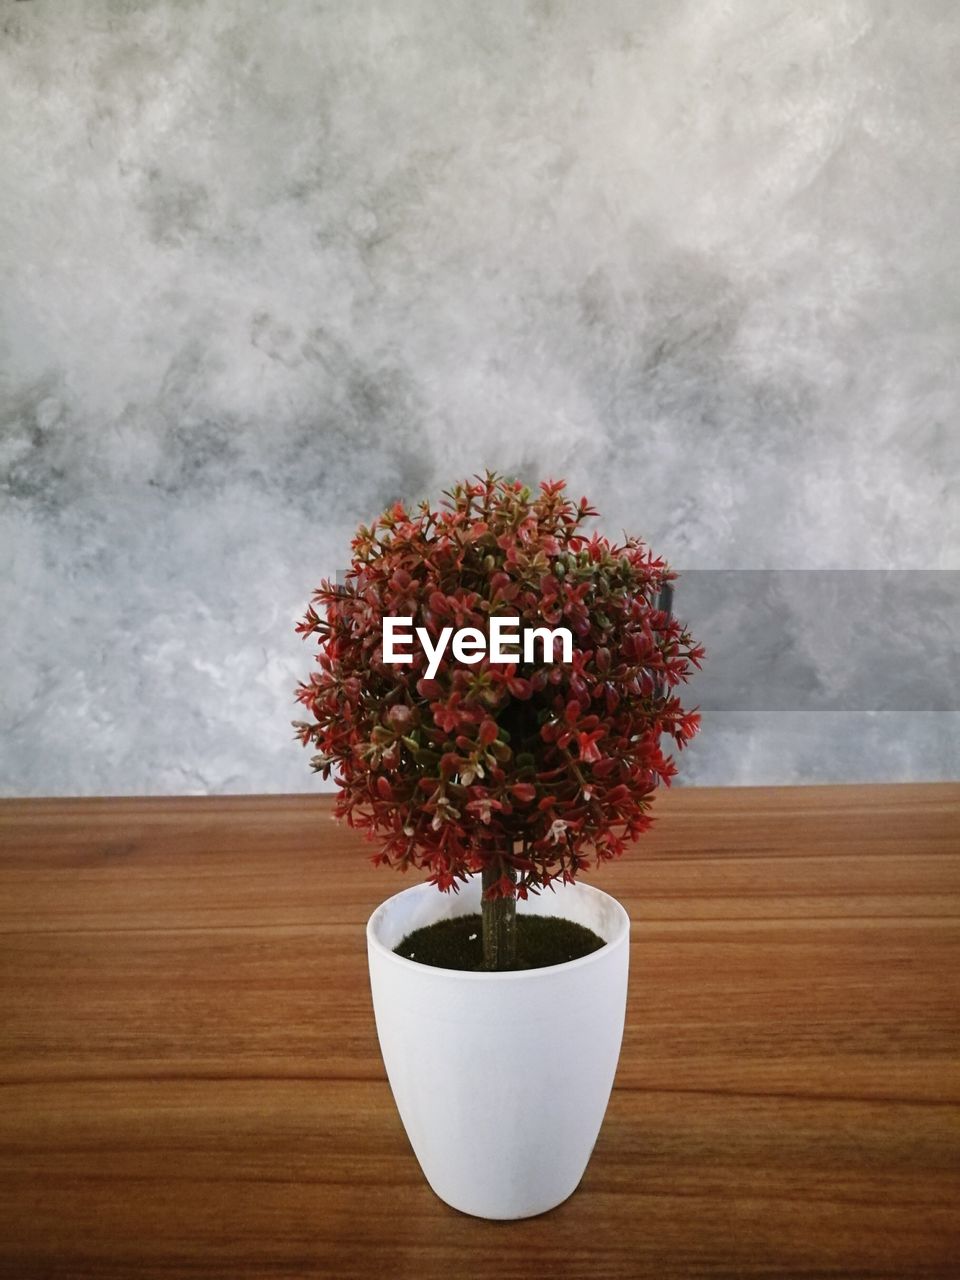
{"points": [[501, 1079]]}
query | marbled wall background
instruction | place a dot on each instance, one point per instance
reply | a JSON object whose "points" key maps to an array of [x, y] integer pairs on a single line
{"points": [[266, 267]]}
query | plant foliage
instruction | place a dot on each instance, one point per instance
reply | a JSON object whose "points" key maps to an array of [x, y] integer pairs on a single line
{"points": [[529, 772]]}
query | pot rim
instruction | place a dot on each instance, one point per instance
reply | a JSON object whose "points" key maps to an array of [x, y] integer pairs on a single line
{"points": [[621, 938]]}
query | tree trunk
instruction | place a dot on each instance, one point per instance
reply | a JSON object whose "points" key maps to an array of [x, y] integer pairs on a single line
{"points": [[499, 923]]}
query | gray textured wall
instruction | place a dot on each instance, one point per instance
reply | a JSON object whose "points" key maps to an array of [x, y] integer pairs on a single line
{"points": [[268, 266]]}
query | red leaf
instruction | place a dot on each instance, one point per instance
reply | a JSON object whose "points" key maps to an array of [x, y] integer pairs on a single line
{"points": [[520, 688], [400, 716], [525, 792]]}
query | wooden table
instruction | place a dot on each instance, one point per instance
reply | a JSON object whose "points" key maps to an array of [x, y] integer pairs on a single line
{"points": [[192, 1085]]}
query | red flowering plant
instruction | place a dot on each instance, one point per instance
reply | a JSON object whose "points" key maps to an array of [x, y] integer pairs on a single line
{"points": [[526, 771]]}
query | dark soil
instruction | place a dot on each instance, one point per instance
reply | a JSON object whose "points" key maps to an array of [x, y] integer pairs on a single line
{"points": [[458, 944]]}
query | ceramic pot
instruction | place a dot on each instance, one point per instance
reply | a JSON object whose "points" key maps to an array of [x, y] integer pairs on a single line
{"points": [[501, 1079]]}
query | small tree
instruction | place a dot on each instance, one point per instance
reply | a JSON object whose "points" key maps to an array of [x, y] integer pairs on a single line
{"points": [[524, 772]]}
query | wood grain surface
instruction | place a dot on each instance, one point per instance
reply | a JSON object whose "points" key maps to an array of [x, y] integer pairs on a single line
{"points": [[191, 1082]]}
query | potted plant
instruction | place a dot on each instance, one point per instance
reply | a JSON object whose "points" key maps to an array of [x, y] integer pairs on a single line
{"points": [[501, 776]]}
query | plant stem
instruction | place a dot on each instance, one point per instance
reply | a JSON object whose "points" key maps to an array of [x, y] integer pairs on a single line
{"points": [[499, 922]]}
